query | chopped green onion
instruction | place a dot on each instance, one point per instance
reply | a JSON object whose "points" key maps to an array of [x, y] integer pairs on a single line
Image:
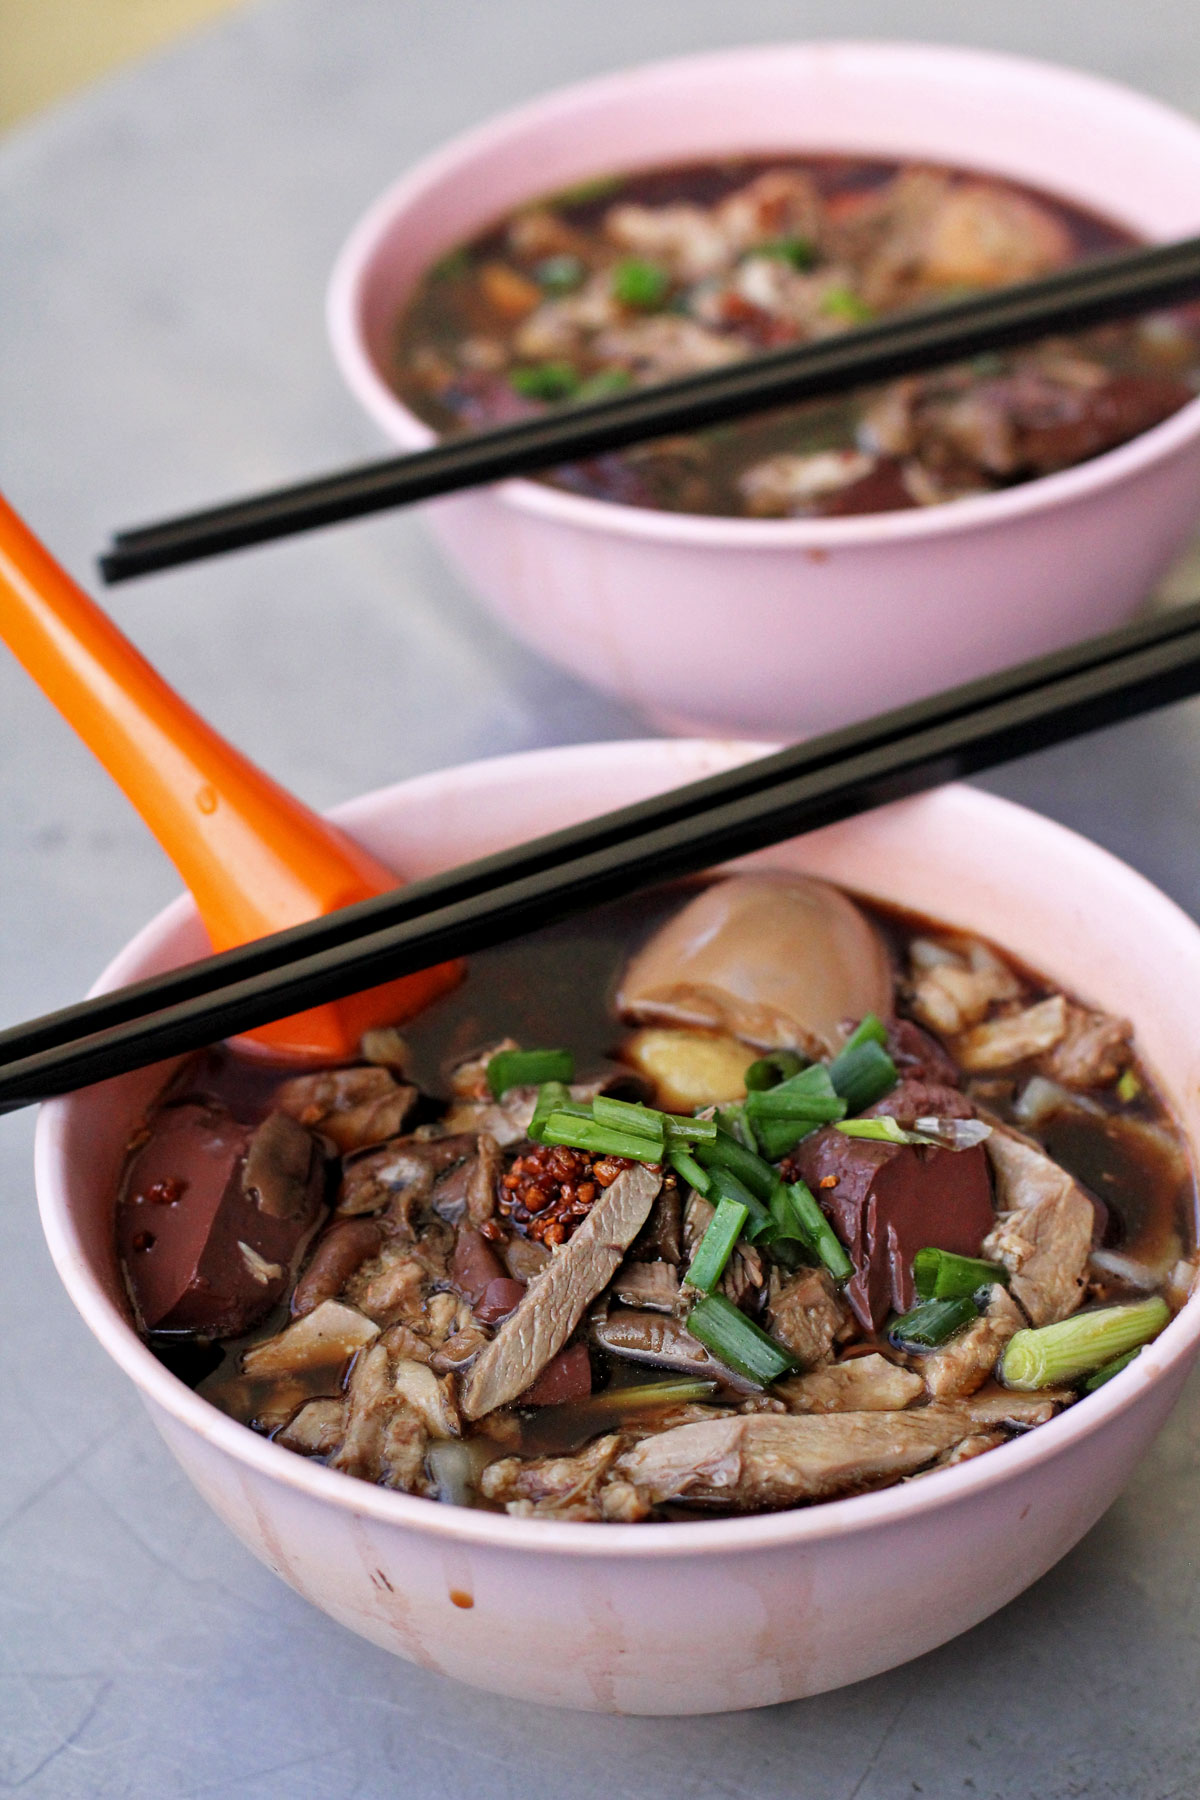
{"points": [[689, 1168], [636, 282], [777, 1136], [800, 252], [600, 1140], [733, 1122], [624, 1115], [932, 1322], [559, 274], [883, 1130], [1129, 1087], [545, 381], [604, 383], [770, 1070], [522, 1068], [553, 1096], [869, 1030], [652, 1393], [807, 1095], [452, 265], [862, 1074], [596, 187], [1109, 1370], [844, 303], [1080, 1345], [725, 1152], [941, 1275], [816, 1231], [716, 1246], [940, 1134], [727, 1185], [737, 1341], [690, 1131]]}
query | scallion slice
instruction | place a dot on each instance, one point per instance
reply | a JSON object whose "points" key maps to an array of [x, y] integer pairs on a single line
{"points": [[1080, 1345], [941, 1275], [863, 1073], [777, 1136], [933, 1322], [810, 1094], [1109, 1370], [640, 283], [689, 1169], [725, 1183], [815, 1230], [770, 1070], [623, 1115], [733, 1122], [600, 1140], [716, 1246], [553, 1096], [725, 1152], [522, 1068], [737, 1341], [652, 1393], [690, 1131]]}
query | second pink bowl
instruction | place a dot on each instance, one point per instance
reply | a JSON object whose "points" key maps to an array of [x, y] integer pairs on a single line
{"points": [[788, 627]]}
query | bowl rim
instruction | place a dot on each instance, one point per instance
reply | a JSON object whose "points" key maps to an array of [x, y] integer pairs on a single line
{"points": [[751, 1533], [352, 266]]}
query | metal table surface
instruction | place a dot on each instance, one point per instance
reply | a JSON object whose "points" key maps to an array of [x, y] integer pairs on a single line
{"points": [[164, 241]]}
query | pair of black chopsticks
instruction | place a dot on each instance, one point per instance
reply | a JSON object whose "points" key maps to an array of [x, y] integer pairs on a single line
{"points": [[970, 728], [1110, 287]]}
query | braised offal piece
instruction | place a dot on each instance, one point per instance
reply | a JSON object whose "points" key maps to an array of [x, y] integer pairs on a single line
{"points": [[876, 1200]]}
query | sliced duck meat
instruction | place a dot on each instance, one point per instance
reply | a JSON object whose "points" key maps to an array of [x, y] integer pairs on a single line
{"points": [[326, 1337], [806, 1312], [952, 986], [660, 1238], [354, 1107], [963, 1364], [342, 1250], [914, 1097], [1043, 1231], [886, 1202], [206, 1252], [778, 961], [565, 1487], [1013, 1037], [864, 1384], [773, 1459], [556, 1300], [1093, 1051], [995, 1405], [385, 1440]]}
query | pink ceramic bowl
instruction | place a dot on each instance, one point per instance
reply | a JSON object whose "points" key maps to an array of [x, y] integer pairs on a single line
{"points": [[714, 1615], [788, 627]]}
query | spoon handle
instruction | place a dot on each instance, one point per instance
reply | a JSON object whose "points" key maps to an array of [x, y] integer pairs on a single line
{"points": [[256, 859]]}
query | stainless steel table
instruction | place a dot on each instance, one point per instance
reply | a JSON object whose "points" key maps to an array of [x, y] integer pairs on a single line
{"points": [[164, 242]]}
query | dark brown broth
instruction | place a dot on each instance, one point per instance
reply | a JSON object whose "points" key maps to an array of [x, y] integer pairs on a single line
{"points": [[699, 473], [554, 987]]}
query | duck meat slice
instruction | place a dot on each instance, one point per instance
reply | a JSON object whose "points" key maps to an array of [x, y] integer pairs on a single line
{"points": [[555, 1301]]}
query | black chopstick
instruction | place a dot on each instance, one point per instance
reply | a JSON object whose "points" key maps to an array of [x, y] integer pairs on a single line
{"points": [[762, 802], [194, 980], [1087, 294]]}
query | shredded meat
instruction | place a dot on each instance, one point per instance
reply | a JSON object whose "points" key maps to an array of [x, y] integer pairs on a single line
{"points": [[1093, 1051], [807, 1313], [354, 1107], [964, 1364], [862, 1384], [1013, 1037], [1043, 1230]]}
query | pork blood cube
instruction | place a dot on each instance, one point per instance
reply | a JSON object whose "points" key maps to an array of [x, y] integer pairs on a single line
{"points": [[212, 1215], [887, 1201]]}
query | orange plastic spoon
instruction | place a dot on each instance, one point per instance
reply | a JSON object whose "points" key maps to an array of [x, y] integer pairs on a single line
{"points": [[255, 858]]}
